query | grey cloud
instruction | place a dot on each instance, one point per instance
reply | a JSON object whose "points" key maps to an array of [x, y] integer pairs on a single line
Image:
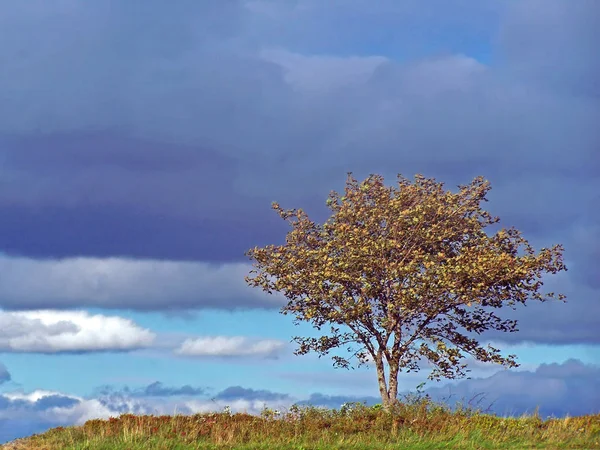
{"points": [[109, 31], [585, 240], [570, 368], [191, 123], [54, 401], [238, 399], [156, 389], [556, 322], [89, 151], [18, 326], [390, 114], [125, 230], [567, 31], [238, 392], [121, 403], [571, 388], [122, 283], [230, 346]]}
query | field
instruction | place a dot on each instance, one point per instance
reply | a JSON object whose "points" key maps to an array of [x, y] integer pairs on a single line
{"points": [[418, 424]]}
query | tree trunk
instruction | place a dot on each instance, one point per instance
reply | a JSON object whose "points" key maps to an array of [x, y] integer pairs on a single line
{"points": [[388, 395], [393, 391]]}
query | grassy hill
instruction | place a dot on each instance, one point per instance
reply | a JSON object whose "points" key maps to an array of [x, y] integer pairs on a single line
{"points": [[420, 424]]}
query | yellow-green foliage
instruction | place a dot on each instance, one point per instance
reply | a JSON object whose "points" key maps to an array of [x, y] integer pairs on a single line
{"points": [[413, 263]]}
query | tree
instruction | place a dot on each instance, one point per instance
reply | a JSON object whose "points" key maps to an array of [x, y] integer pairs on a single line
{"points": [[409, 271]]}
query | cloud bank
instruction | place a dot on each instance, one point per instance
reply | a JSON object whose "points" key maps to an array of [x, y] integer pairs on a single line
{"points": [[119, 283], [570, 388]]}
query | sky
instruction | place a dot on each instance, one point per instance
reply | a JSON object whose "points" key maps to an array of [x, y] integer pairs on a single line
{"points": [[141, 146]]}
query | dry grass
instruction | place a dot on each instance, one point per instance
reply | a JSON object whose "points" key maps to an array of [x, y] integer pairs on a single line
{"points": [[419, 424]]}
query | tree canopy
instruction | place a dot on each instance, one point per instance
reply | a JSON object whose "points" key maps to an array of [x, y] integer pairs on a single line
{"points": [[409, 271]]}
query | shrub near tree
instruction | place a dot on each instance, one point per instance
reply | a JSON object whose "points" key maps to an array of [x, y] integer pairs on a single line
{"points": [[409, 271]]}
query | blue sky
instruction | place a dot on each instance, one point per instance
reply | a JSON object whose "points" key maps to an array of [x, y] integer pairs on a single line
{"points": [[141, 146]]}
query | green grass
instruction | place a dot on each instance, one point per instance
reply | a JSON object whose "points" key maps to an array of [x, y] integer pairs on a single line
{"points": [[419, 424]]}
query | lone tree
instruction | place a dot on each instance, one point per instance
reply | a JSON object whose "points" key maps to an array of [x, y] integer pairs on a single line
{"points": [[413, 263]]}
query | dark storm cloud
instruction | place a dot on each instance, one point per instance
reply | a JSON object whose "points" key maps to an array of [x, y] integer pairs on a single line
{"points": [[250, 135], [154, 135], [555, 322], [568, 33], [91, 151], [120, 230], [271, 133]]}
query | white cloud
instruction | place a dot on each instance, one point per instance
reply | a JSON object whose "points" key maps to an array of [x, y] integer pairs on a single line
{"points": [[126, 283], [80, 410], [228, 346], [63, 331], [33, 396]]}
